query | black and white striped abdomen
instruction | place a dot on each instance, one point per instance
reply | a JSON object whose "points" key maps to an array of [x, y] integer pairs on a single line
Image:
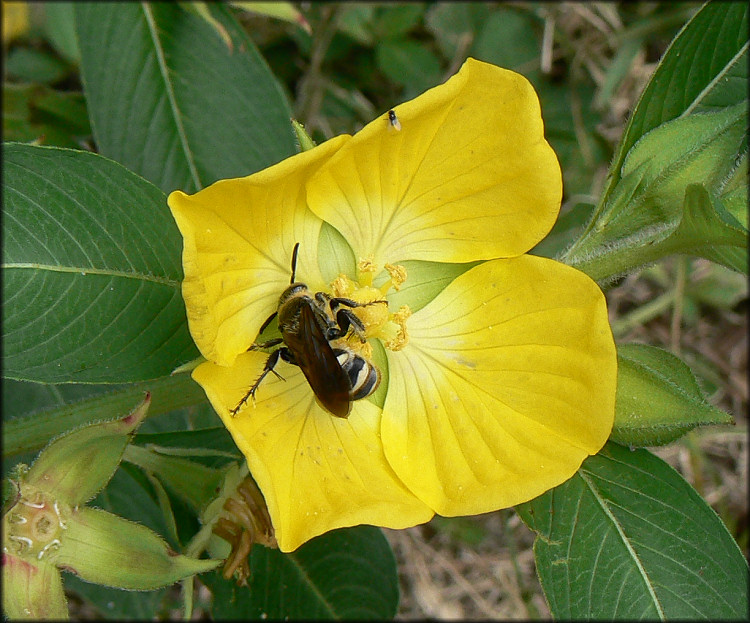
{"points": [[364, 377]]}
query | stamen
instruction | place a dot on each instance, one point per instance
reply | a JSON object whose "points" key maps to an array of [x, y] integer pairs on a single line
{"points": [[366, 270], [378, 321], [342, 286], [401, 338], [398, 276]]}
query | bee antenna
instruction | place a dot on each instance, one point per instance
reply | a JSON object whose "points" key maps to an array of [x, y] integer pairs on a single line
{"points": [[294, 261]]}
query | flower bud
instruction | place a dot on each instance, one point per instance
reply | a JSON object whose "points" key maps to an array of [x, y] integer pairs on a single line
{"points": [[75, 466], [32, 589], [106, 549]]}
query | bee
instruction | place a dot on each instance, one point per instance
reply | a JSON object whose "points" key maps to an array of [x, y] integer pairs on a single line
{"points": [[393, 120], [308, 323]]}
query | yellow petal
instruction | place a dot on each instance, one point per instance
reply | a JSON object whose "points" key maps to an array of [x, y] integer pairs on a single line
{"points": [[468, 176], [238, 236], [506, 385], [317, 472]]}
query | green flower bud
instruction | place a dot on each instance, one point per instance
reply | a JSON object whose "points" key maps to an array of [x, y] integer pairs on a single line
{"points": [[77, 465], [32, 589], [106, 549]]}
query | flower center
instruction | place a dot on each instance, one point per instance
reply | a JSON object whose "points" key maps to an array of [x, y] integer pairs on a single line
{"points": [[378, 321]]}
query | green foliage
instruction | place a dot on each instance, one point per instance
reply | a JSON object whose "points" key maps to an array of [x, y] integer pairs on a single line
{"points": [[88, 237], [152, 72], [689, 128], [176, 98], [345, 574], [658, 398], [642, 537]]}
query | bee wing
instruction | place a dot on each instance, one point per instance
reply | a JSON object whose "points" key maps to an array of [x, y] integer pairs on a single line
{"points": [[314, 355]]}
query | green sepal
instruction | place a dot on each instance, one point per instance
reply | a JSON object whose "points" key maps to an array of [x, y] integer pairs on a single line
{"points": [[196, 484], [658, 398], [709, 230], [74, 467], [645, 216], [106, 549], [734, 192], [303, 138], [32, 590], [188, 366]]}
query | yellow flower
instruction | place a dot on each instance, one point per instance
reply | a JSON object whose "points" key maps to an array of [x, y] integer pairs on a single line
{"points": [[498, 368], [15, 20]]}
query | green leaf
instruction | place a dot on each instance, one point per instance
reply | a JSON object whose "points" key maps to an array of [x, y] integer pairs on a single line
{"points": [[204, 442], [454, 24], [127, 497], [32, 65], [704, 69], [279, 10], [699, 148], [520, 32], [34, 112], [354, 21], [734, 192], [409, 64], [91, 271], [345, 574], [708, 230], [658, 398], [60, 28], [657, 208], [689, 127], [628, 538], [170, 101], [717, 287], [395, 21], [115, 604], [35, 424]]}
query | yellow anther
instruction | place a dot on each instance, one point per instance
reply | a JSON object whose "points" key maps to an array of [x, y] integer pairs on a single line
{"points": [[366, 265], [366, 270], [343, 286], [398, 275], [401, 337], [377, 319]]}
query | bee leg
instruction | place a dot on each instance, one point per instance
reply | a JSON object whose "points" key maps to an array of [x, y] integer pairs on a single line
{"points": [[268, 344], [266, 323], [345, 318], [338, 301], [271, 362]]}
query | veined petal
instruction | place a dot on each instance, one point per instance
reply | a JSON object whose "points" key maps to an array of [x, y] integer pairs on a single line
{"points": [[506, 385], [468, 176], [238, 236], [317, 472]]}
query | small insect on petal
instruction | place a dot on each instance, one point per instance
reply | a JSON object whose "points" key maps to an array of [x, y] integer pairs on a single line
{"points": [[393, 120]]}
